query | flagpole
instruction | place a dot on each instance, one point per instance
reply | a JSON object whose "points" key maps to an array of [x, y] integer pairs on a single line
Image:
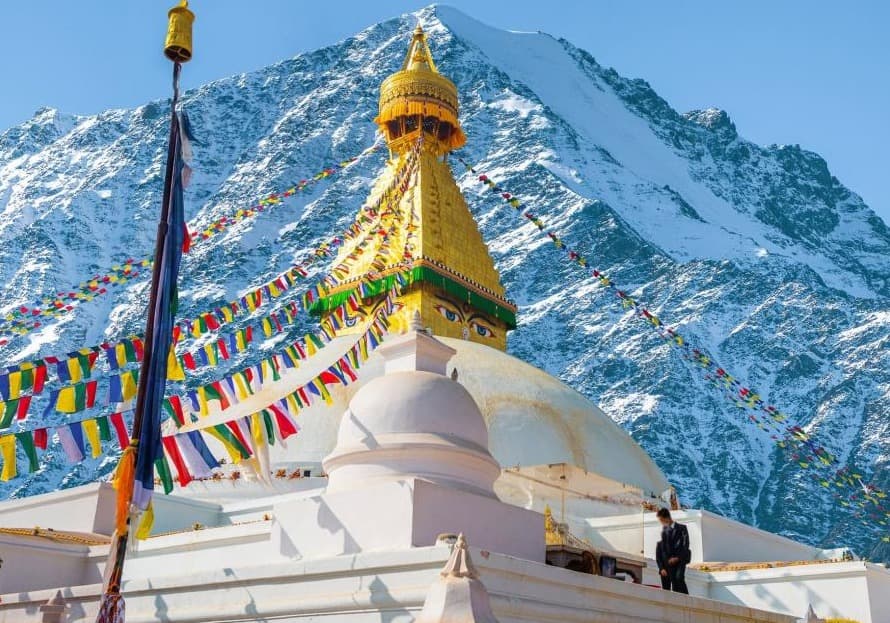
{"points": [[111, 610]]}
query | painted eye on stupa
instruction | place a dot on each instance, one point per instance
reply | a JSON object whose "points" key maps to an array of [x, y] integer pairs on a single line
{"points": [[447, 314], [480, 329]]}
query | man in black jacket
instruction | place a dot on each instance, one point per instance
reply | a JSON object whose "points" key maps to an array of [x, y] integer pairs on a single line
{"points": [[672, 553]]}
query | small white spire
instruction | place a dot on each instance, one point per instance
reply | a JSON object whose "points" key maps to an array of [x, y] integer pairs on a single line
{"points": [[460, 565], [458, 594], [416, 321], [810, 616], [53, 611]]}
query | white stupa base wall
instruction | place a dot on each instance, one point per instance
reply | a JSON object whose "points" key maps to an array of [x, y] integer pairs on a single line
{"points": [[853, 590], [382, 586], [403, 514]]}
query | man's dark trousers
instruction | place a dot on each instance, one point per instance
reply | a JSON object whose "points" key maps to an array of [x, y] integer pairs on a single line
{"points": [[675, 579]]}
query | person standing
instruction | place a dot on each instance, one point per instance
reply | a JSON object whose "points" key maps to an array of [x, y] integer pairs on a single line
{"points": [[672, 553]]}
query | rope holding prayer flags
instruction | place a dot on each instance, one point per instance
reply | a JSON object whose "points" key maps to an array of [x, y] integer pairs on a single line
{"points": [[129, 350], [763, 415]]}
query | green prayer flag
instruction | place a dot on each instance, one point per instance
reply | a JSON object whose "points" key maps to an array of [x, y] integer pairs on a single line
{"points": [[276, 376], [80, 396], [26, 438], [129, 351], [224, 432], [270, 431], [9, 410], [211, 393], [163, 471], [27, 379], [104, 428], [84, 362]]}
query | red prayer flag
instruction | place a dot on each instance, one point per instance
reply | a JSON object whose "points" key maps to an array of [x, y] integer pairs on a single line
{"points": [[40, 438], [120, 427], [39, 378], [176, 406], [139, 348], [285, 425], [236, 430], [22, 408], [328, 378], [175, 457], [91, 393]]}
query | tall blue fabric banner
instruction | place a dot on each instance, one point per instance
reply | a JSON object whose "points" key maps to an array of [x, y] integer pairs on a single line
{"points": [[162, 334]]}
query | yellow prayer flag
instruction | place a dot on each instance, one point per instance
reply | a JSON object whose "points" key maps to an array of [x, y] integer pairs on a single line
{"points": [[128, 385], [240, 386], [310, 346], [120, 354], [15, 384], [230, 449], [202, 402], [174, 367], [294, 405], [67, 400], [257, 429], [7, 451], [323, 390], [91, 430], [74, 370], [211, 353], [146, 523]]}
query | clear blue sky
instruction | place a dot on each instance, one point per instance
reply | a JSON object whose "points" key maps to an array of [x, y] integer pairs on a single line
{"points": [[813, 72]]}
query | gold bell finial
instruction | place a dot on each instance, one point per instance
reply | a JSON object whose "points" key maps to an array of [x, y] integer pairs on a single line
{"points": [[178, 45]]}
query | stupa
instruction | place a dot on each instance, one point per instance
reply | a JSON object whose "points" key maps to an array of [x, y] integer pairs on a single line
{"points": [[443, 434]]}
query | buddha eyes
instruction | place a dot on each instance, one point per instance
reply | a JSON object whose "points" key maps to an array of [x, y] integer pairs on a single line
{"points": [[448, 314], [481, 329], [473, 327]]}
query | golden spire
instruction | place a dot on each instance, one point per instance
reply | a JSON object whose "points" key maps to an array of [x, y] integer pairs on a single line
{"points": [[416, 214], [419, 57], [419, 97]]}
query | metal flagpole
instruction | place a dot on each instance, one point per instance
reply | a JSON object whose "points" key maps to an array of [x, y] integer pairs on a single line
{"points": [[178, 48]]}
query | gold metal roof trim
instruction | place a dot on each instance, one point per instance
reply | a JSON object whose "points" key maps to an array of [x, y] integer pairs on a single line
{"points": [[747, 566], [59, 536]]}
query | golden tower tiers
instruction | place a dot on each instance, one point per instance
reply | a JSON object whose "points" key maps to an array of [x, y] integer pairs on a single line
{"points": [[416, 222]]}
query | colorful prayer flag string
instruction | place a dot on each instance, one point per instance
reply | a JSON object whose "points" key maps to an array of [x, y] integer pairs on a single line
{"points": [[762, 414], [20, 378]]}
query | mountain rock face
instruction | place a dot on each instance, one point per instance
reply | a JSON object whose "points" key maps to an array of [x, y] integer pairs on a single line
{"points": [[757, 253]]}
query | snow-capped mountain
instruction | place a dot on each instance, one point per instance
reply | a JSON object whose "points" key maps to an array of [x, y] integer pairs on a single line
{"points": [[757, 253]]}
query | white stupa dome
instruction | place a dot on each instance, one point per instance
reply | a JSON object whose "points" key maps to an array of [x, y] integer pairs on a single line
{"points": [[532, 417], [408, 402], [413, 422]]}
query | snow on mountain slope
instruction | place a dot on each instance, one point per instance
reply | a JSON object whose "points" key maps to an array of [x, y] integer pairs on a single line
{"points": [[758, 253]]}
